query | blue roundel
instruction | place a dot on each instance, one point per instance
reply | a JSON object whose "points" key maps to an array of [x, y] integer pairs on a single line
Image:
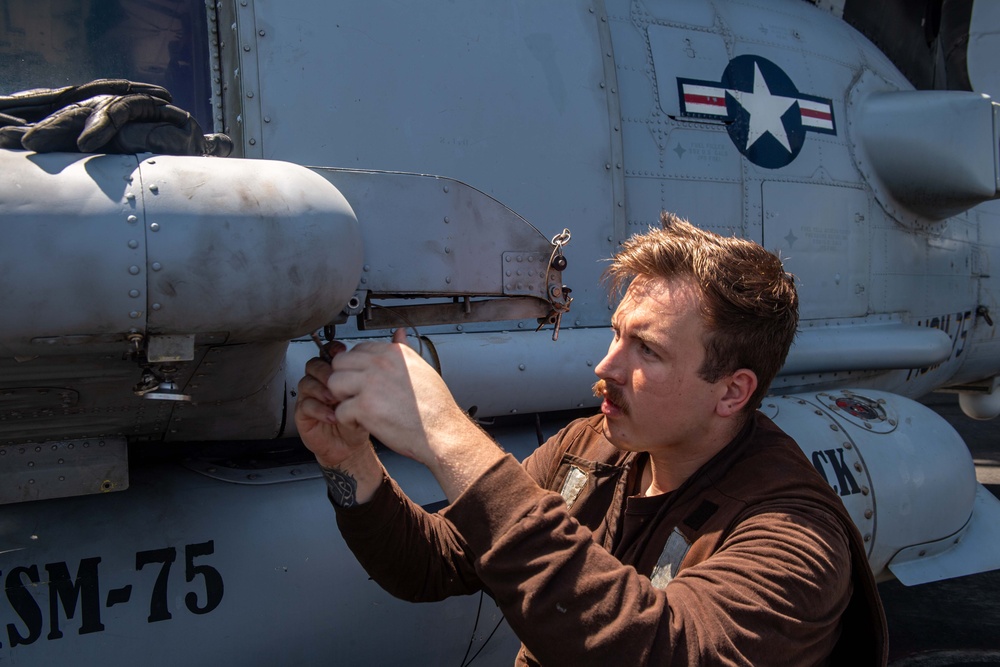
{"points": [[763, 103]]}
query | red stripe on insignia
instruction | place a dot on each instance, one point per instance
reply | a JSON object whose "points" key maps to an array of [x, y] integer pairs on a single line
{"points": [[703, 99], [812, 113]]}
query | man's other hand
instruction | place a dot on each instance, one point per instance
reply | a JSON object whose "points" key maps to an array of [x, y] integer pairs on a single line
{"points": [[388, 390], [330, 440]]}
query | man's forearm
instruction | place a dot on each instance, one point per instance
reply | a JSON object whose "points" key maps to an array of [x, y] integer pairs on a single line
{"points": [[461, 454], [354, 480]]}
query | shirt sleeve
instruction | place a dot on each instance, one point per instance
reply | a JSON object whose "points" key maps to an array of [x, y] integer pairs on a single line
{"points": [[772, 594], [413, 554]]}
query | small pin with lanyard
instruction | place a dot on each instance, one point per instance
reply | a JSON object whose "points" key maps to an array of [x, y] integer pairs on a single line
{"points": [[323, 354]]}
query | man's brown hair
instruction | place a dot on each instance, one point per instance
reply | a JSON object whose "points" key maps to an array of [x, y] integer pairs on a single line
{"points": [[749, 304]]}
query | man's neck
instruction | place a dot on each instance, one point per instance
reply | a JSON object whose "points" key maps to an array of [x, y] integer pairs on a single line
{"points": [[666, 471]]}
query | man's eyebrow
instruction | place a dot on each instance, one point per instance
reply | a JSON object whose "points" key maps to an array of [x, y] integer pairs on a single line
{"points": [[646, 339]]}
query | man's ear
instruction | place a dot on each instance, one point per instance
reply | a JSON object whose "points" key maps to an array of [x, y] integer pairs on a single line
{"points": [[739, 387]]}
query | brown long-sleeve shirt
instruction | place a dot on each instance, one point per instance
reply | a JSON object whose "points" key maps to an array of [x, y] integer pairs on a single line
{"points": [[753, 561]]}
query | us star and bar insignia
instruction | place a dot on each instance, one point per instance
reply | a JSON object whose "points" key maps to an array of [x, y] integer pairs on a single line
{"points": [[767, 117]]}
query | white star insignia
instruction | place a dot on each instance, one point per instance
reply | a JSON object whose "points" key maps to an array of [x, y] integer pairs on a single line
{"points": [[765, 111]]}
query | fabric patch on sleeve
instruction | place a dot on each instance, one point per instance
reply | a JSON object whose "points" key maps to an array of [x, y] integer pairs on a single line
{"points": [[698, 517], [575, 480], [670, 559]]}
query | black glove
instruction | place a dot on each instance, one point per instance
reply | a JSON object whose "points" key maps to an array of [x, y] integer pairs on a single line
{"points": [[10, 136], [124, 121], [58, 133], [30, 106]]}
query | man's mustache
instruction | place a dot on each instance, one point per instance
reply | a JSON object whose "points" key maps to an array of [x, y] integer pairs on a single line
{"points": [[613, 394]]}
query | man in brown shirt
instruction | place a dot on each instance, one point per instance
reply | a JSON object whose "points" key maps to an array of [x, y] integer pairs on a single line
{"points": [[679, 526]]}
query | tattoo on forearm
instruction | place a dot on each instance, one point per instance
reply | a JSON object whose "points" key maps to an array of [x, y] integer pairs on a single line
{"points": [[342, 486]]}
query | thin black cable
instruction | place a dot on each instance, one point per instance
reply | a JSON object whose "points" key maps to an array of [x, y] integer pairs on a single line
{"points": [[487, 641], [472, 636], [407, 322]]}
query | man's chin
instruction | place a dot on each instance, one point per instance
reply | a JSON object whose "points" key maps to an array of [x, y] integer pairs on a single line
{"points": [[615, 436]]}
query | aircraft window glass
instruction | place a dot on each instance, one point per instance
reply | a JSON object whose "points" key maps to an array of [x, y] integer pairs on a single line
{"points": [[70, 42]]}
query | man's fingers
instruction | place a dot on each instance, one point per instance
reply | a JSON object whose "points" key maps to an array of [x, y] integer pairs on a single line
{"points": [[318, 369], [312, 387], [346, 383], [311, 408], [399, 336], [347, 416], [335, 347]]}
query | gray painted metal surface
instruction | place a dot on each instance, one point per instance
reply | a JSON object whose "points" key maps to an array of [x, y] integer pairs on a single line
{"points": [[412, 159], [186, 569]]}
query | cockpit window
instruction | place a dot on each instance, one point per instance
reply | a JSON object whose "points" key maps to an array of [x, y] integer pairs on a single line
{"points": [[68, 42]]}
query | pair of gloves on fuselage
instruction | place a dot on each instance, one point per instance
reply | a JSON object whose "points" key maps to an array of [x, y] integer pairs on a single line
{"points": [[104, 116]]}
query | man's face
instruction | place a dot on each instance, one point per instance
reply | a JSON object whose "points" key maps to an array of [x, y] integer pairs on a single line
{"points": [[654, 399]]}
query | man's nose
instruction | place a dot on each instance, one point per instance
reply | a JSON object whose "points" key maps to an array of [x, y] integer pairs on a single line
{"points": [[610, 367]]}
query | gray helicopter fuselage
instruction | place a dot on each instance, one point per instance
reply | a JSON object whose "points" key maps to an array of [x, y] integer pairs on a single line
{"points": [[415, 165]]}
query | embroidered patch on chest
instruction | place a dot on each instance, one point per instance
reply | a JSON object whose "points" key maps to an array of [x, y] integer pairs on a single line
{"points": [[670, 559], [575, 480]]}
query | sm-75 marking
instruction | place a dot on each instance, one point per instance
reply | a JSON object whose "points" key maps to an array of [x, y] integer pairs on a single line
{"points": [[83, 592]]}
